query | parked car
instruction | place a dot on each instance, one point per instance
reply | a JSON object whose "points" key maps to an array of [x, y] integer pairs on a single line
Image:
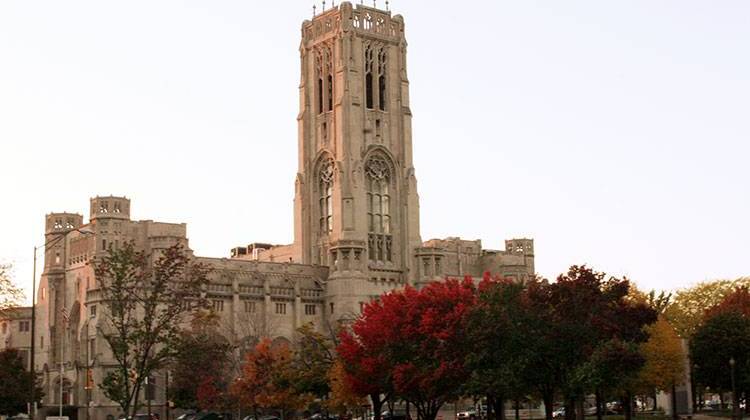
{"points": [[141, 416], [558, 412], [470, 414], [396, 415], [208, 415], [614, 407], [190, 415]]}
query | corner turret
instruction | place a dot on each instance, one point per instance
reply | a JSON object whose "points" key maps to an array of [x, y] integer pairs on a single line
{"points": [[110, 207]]}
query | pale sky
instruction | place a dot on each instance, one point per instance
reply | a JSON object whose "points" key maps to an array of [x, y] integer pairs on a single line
{"points": [[615, 134]]}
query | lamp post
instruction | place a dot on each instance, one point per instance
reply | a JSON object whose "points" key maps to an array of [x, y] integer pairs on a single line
{"points": [[60, 237], [735, 399]]}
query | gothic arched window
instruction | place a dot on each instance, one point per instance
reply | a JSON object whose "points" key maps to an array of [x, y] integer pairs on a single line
{"points": [[325, 190], [369, 64], [319, 85], [382, 57], [324, 80], [376, 69], [378, 183]]}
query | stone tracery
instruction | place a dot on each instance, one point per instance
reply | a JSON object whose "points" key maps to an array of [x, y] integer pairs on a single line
{"points": [[327, 170], [378, 180]]}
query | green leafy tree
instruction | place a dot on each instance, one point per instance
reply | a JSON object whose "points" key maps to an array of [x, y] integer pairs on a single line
{"points": [[724, 336], [15, 382], [579, 312], [144, 299], [201, 349], [314, 356], [611, 370], [10, 294], [497, 327]]}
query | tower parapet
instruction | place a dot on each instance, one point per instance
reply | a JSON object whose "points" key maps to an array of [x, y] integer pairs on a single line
{"points": [[56, 223], [110, 207]]}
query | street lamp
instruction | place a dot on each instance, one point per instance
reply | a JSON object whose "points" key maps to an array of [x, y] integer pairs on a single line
{"points": [[735, 399], [60, 237]]}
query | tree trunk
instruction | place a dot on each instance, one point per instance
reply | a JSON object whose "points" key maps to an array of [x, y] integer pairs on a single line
{"points": [[377, 406], [136, 393], [570, 409], [518, 409], [580, 413], [431, 413], [598, 395], [675, 416], [427, 410], [498, 407], [627, 406], [549, 400]]}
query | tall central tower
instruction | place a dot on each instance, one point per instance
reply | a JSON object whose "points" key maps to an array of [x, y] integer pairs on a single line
{"points": [[356, 203]]}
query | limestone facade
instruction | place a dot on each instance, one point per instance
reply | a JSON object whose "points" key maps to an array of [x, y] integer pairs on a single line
{"points": [[356, 221], [15, 331]]}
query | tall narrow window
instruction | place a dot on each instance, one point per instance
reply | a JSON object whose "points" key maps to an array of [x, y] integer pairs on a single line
{"points": [[382, 68], [249, 306], [319, 76], [326, 196], [281, 308], [320, 95], [330, 92], [378, 208], [368, 89], [368, 77]]}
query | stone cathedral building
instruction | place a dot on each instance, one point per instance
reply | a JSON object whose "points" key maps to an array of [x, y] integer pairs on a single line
{"points": [[356, 221]]}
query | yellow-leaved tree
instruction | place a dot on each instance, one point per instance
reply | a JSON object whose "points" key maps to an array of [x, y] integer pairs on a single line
{"points": [[688, 306], [664, 357]]}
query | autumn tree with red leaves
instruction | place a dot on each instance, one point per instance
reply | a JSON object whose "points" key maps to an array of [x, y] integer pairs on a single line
{"points": [[411, 344]]}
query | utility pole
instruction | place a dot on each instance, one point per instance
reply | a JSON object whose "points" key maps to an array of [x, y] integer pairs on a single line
{"points": [[62, 362], [32, 368], [89, 381], [735, 398]]}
